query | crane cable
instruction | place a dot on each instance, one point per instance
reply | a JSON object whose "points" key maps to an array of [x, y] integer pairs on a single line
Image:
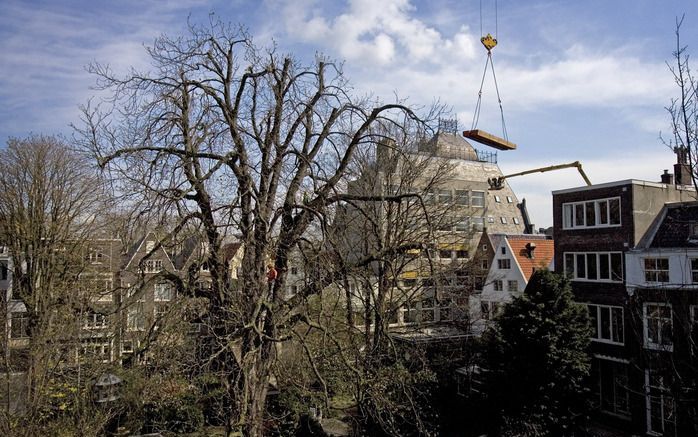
{"points": [[489, 44]]}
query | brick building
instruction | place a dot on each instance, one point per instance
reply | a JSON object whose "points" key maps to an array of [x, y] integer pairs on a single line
{"points": [[594, 227]]}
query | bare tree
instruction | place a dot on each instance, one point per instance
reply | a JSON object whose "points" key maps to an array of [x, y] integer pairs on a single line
{"points": [[51, 199], [683, 112], [237, 140]]}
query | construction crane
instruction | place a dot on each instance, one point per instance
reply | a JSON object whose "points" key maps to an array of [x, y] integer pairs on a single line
{"points": [[497, 183]]}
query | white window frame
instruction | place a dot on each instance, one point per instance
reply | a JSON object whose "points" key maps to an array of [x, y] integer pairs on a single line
{"points": [[576, 273], [94, 320], [600, 213], [97, 347], [504, 264], [498, 285], [664, 396], [152, 266], [656, 273], [515, 220], [694, 269], [513, 285], [163, 288], [476, 198], [461, 197], [135, 317], [660, 327], [609, 311]]}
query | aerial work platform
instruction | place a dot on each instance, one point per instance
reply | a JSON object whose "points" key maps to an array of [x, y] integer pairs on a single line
{"points": [[488, 139]]}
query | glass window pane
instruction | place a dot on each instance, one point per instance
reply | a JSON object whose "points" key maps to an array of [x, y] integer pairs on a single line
{"points": [[581, 266], [617, 324], [614, 211], [591, 266], [569, 264], [579, 214], [603, 212], [616, 267], [567, 216], [604, 266], [590, 210], [594, 320], [605, 315]]}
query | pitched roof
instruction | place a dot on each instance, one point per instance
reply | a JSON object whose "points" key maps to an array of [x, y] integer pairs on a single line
{"points": [[674, 226], [542, 254]]}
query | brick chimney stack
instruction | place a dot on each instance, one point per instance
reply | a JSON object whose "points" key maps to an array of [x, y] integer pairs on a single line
{"points": [[682, 171]]}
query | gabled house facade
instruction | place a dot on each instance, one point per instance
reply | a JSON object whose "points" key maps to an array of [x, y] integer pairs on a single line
{"points": [[506, 262], [662, 284]]}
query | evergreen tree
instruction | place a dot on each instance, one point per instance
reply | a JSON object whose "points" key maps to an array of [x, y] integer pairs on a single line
{"points": [[536, 361]]}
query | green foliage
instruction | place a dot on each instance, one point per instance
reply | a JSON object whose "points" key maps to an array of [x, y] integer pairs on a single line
{"points": [[537, 361]]}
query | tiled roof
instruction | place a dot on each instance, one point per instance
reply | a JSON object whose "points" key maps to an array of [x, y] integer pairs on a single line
{"points": [[542, 254]]}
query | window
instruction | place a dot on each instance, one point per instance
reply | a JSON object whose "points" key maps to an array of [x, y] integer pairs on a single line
{"points": [[512, 285], [591, 214], [294, 270], [594, 266], [658, 326], [163, 292], [497, 199], [613, 395], [127, 347], [107, 289], [160, 313], [515, 220], [490, 219], [96, 348], [461, 197], [19, 325], [504, 263], [503, 250], [95, 321], [490, 310], [149, 246], [135, 317], [656, 269], [478, 223], [484, 264], [478, 199], [694, 270], [460, 254], [153, 266], [503, 220], [3, 271], [660, 406], [445, 254], [95, 256], [509, 199], [463, 225], [445, 196], [606, 323], [498, 285]]}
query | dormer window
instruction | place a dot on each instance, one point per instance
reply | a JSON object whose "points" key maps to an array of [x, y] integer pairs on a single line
{"points": [[693, 231]]}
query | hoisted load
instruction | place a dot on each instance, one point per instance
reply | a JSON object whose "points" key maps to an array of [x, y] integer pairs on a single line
{"points": [[481, 136]]}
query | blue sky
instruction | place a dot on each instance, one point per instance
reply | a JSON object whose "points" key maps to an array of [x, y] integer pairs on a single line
{"points": [[580, 80]]}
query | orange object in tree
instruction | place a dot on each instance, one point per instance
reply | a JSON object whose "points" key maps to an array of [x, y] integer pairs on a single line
{"points": [[271, 273]]}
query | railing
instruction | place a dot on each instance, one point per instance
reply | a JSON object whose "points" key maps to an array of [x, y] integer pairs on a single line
{"points": [[483, 156]]}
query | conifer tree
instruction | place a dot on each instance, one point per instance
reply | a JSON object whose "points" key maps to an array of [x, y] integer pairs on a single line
{"points": [[536, 360]]}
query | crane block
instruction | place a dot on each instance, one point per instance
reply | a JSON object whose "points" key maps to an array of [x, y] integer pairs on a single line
{"points": [[488, 139], [489, 42]]}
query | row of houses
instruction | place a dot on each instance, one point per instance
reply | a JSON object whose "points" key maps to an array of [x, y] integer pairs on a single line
{"points": [[128, 291]]}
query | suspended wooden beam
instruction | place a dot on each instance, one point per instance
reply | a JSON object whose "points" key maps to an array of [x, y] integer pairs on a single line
{"points": [[488, 139]]}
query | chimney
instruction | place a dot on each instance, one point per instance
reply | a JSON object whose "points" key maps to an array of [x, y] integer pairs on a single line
{"points": [[530, 247], [682, 171], [667, 178]]}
